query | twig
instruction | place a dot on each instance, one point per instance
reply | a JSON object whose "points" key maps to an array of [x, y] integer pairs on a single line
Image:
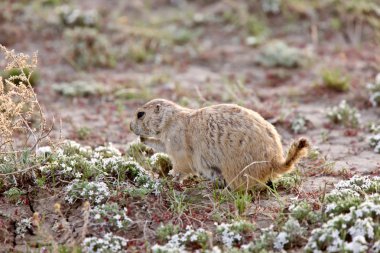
{"points": [[246, 167], [20, 171]]}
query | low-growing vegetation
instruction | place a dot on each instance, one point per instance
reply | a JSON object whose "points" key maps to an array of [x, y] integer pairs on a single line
{"points": [[374, 138], [71, 17], [79, 88], [299, 124], [374, 89], [279, 54], [99, 175], [336, 80], [86, 47], [344, 114]]}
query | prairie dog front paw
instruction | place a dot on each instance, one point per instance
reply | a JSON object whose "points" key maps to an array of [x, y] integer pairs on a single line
{"points": [[179, 176], [154, 143]]}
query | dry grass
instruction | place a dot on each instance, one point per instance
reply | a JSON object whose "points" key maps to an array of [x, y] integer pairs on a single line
{"points": [[21, 115]]}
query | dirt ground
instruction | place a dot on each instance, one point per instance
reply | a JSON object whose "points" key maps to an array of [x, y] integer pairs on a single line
{"points": [[202, 72]]}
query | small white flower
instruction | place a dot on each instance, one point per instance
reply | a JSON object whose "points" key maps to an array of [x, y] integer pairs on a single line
{"points": [[251, 41], [41, 151], [357, 245], [281, 240], [109, 243], [193, 238]]}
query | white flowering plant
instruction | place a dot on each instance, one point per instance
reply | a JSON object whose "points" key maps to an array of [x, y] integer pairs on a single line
{"points": [[70, 147], [303, 212], [361, 184], [353, 215], [279, 54], [110, 215], [351, 223], [88, 47], [290, 235], [233, 233], [374, 139], [104, 163], [191, 239], [271, 6], [72, 17], [107, 151], [94, 192], [340, 201], [299, 125], [70, 167], [113, 164], [289, 181], [79, 88], [161, 163], [374, 142], [344, 114], [138, 174], [43, 151], [350, 193], [356, 231], [165, 231], [374, 90], [262, 243], [121, 168], [23, 226], [108, 243], [68, 162], [141, 178]]}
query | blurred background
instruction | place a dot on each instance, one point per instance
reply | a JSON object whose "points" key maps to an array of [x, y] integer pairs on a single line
{"points": [[290, 60]]}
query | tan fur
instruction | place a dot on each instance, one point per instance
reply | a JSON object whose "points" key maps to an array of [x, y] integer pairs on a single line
{"points": [[223, 141]]}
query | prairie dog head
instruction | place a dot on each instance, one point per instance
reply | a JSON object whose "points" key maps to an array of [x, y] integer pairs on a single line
{"points": [[151, 119]]}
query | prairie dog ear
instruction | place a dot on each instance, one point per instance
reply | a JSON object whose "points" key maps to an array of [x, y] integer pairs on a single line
{"points": [[157, 109]]}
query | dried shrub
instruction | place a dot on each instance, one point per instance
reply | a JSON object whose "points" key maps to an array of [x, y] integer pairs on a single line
{"points": [[21, 117], [22, 122]]}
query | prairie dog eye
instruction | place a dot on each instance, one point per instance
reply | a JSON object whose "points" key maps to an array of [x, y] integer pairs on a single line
{"points": [[140, 115]]}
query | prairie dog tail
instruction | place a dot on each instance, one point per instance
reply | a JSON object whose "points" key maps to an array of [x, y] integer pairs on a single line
{"points": [[297, 150]]}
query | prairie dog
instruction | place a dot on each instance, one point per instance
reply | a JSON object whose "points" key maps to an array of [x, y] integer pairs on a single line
{"points": [[224, 141]]}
